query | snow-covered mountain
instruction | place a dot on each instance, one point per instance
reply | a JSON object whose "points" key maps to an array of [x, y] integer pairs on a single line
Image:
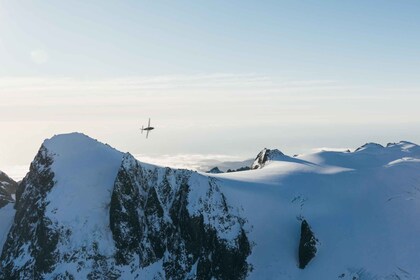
{"points": [[7, 192], [226, 166], [265, 156], [363, 208], [7, 189], [215, 170], [88, 211]]}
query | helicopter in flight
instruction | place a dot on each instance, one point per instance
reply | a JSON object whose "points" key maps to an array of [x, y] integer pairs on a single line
{"points": [[148, 128]]}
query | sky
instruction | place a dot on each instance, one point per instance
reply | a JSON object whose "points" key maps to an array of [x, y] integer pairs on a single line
{"points": [[217, 78]]}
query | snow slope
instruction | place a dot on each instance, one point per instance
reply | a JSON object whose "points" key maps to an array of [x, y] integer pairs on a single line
{"points": [[6, 219], [363, 207], [85, 172]]}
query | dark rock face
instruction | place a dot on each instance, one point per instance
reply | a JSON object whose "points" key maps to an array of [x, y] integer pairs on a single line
{"points": [[244, 168], [135, 215], [215, 170], [31, 229], [264, 156], [307, 245], [151, 220], [7, 187], [372, 146]]}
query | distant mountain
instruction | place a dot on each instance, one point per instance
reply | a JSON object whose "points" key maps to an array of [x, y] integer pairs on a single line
{"points": [[244, 168], [215, 170], [224, 166], [7, 192], [7, 189], [264, 156], [88, 211]]}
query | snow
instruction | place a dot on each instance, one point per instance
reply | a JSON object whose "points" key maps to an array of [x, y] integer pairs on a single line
{"points": [[206, 195], [85, 171], [404, 160], [7, 214], [153, 271], [362, 206]]}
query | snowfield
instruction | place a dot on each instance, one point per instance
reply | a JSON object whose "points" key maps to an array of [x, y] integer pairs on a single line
{"points": [[362, 206]]}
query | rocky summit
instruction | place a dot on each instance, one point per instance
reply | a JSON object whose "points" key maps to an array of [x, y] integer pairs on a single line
{"points": [[7, 189]]}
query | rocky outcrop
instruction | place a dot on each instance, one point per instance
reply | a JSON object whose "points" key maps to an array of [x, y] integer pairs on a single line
{"points": [[31, 241], [214, 170], [369, 147], [264, 156], [158, 216], [244, 168], [7, 189], [307, 245]]}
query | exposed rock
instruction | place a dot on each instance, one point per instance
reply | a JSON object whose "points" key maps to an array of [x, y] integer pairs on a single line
{"points": [[215, 170], [244, 168], [264, 156], [154, 217], [307, 245], [369, 147], [31, 238], [7, 188]]}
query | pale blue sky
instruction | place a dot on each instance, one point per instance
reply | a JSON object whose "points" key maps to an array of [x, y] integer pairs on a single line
{"points": [[364, 41], [217, 77]]}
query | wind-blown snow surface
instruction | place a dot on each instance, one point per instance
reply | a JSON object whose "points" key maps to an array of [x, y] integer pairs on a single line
{"points": [[363, 206]]}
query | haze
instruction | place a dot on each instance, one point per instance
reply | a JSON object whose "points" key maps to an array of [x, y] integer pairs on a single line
{"points": [[217, 78]]}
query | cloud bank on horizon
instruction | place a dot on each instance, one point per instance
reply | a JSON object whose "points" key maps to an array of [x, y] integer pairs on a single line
{"points": [[215, 77]]}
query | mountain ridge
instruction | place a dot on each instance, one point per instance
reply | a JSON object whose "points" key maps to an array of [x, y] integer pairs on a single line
{"points": [[86, 210], [7, 189]]}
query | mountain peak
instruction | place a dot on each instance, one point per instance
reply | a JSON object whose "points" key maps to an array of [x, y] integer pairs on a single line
{"points": [[215, 170], [7, 189], [402, 144], [69, 143], [266, 155], [371, 146]]}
